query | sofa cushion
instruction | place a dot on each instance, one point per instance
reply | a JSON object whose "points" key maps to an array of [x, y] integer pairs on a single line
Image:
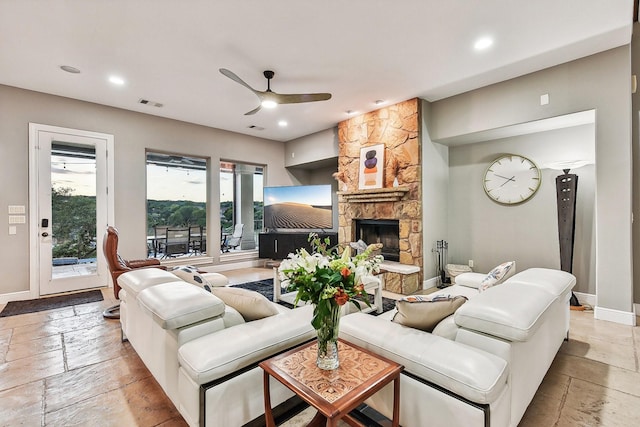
{"points": [[499, 274], [425, 312], [216, 279], [512, 312], [470, 280], [251, 304], [177, 304], [556, 282], [135, 281], [215, 355], [447, 328], [464, 370]]}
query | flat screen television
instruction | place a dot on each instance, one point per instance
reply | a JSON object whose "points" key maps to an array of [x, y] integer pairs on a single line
{"points": [[298, 208]]}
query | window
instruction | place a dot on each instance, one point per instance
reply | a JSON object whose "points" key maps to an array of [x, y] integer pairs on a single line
{"points": [[240, 203], [176, 205]]}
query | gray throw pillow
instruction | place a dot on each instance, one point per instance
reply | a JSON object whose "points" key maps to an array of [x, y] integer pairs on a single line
{"points": [[250, 304], [424, 312]]}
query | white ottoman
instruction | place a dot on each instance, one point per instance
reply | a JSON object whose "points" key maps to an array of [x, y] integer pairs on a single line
{"points": [[216, 279]]}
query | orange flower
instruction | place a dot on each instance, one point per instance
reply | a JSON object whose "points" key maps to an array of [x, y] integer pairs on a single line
{"points": [[359, 288], [345, 272], [341, 297]]}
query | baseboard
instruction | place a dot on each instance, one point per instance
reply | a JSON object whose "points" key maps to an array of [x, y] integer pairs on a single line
{"points": [[584, 298], [430, 283], [617, 316], [16, 296]]}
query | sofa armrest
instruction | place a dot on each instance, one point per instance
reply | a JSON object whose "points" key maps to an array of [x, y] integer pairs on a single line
{"points": [[140, 263], [512, 311], [218, 354], [469, 372], [177, 304]]}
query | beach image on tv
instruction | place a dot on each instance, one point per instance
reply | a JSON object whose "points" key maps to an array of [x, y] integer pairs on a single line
{"points": [[299, 207]]}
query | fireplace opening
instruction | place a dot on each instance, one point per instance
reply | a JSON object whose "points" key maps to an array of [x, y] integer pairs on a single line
{"points": [[385, 231]]}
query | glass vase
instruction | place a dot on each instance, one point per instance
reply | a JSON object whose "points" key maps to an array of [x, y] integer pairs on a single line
{"points": [[328, 339]]}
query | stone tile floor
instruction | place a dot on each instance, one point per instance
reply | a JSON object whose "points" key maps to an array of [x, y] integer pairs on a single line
{"points": [[68, 367]]}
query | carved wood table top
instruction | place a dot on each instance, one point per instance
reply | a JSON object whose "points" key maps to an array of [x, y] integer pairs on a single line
{"points": [[333, 393]]}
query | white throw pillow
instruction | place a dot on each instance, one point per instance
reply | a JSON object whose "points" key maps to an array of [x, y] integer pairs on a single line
{"points": [[190, 274], [251, 305], [498, 275]]}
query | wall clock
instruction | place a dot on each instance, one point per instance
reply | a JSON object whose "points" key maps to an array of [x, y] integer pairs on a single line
{"points": [[511, 179]]}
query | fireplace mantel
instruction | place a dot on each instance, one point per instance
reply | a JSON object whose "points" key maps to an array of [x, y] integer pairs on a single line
{"points": [[392, 194]]}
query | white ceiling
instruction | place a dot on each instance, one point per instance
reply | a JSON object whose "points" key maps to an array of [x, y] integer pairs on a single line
{"points": [[170, 51]]}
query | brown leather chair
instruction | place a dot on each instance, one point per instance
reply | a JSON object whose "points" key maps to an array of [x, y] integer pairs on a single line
{"points": [[118, 265]]}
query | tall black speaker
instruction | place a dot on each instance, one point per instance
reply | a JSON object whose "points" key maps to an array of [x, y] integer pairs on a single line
{"points": [[566, 192]]}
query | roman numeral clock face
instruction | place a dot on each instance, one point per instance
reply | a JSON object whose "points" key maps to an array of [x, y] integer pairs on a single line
{"points": [[511, 179]]}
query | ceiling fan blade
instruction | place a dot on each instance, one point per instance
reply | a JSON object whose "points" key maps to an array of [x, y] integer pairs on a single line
{"points": [[295, 98], [252, 112], [236, 79]]}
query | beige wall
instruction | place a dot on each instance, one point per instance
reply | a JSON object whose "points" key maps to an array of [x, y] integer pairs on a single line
{"points": [[133, 133], [435, 194], [490, 233], [599, 82]]}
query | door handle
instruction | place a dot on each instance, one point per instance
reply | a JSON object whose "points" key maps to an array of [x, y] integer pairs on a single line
{"points": [[45, 234]]}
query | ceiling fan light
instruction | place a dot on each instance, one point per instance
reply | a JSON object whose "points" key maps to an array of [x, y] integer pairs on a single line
{"points": [[269, 103]]}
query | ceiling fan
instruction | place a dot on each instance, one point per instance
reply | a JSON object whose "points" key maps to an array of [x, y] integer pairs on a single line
{"points": [[269, 99]]}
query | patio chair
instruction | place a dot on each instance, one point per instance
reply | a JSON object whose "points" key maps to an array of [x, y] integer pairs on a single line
{"points": [[177, 242], [233, 241], [196, 239], [159, 239], [118, 265]]}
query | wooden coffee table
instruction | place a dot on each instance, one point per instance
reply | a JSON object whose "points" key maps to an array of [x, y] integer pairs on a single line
{"points": [[333, 393]]}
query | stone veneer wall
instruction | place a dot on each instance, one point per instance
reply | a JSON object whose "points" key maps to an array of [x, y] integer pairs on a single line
{"points": [[397, 127]]}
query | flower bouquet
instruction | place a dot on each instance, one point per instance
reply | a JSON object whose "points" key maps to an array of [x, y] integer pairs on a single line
{"points": [[328, 279]]}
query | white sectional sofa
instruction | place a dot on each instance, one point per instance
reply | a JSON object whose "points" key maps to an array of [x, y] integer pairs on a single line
{"points": [[480, 366], [201, 351]]}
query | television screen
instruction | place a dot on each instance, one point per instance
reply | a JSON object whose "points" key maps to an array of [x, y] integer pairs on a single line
{"points": [[302, 207]]}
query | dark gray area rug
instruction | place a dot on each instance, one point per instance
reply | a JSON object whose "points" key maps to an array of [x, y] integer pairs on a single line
{"points": [[14, 308], [265, 287]]}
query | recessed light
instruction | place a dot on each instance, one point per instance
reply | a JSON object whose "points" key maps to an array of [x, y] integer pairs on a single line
{"points": [[116, 80], [69, 69], [483, 43], [282, 123]]}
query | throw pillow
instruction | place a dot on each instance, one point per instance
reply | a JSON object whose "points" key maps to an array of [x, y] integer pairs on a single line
{"points": [[190, 274], [498, 275], [250, 304], [424, 312]]}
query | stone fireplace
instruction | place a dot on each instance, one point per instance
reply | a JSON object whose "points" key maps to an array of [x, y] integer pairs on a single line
{"points": [[400, 198]]}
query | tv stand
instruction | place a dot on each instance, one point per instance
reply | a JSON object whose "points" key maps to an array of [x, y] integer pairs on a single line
{"points": [[279, 245]]}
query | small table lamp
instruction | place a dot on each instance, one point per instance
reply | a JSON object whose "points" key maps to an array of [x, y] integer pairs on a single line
{"points": [[566, 193]]}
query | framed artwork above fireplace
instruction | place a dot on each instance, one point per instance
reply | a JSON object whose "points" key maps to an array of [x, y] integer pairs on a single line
{"points": [[371, 167]]}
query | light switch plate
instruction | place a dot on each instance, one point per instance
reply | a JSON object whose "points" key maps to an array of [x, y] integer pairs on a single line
{"points": [[12, 229], [16, 209], [544, 99], [17, 219]]}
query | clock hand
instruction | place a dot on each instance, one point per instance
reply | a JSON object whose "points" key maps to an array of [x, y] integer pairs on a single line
{"points": [[507, 179], [504, 177]]}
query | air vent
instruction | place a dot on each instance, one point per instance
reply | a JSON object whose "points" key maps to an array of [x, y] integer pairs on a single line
{"points": [[150, 103], [254, 127]]}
